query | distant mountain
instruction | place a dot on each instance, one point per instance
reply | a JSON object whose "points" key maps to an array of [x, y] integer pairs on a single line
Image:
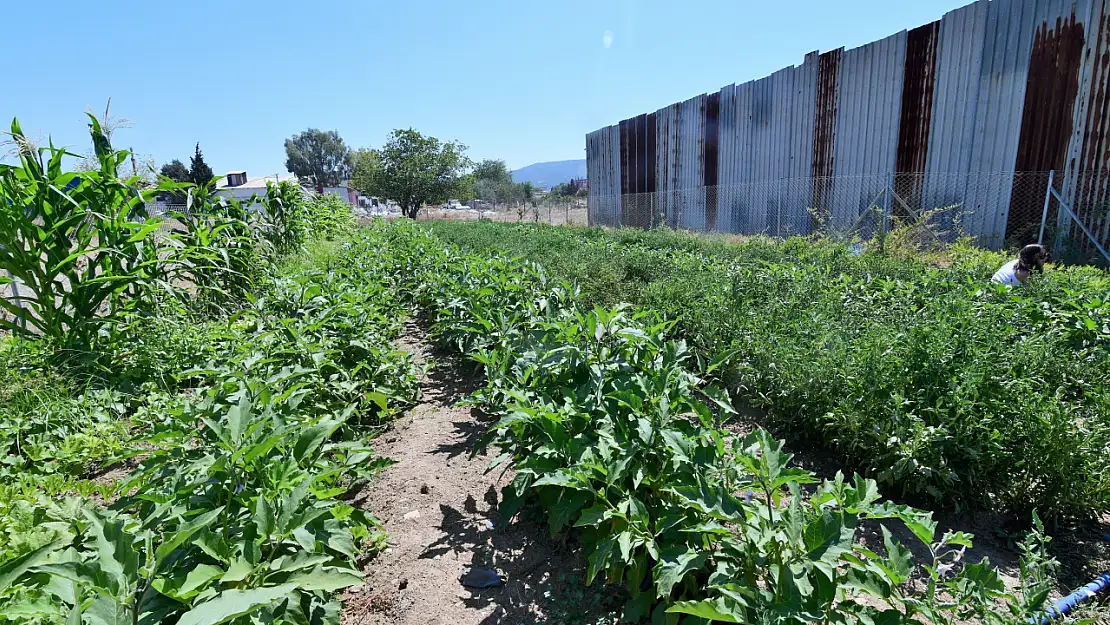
{"points": [[547, 175]]}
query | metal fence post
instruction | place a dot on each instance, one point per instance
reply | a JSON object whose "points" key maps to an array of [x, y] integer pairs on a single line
{"points": [[1044, 214]]}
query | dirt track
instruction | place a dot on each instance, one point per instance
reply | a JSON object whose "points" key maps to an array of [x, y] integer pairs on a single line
{"points": [[451, 505]]}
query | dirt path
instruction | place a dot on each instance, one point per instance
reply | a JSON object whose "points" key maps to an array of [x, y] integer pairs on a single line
{"points": [[440, 509]]}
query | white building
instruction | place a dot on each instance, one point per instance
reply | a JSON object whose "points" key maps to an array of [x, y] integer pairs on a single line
{"points": [[237, 185]]}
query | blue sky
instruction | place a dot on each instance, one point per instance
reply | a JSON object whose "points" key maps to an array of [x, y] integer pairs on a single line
{"points": [[522, 81]]}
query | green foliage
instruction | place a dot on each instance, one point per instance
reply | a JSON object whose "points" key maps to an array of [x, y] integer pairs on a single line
{"points": [[199, 172], [612, 425], [935, 381], [235, 507], [363, 163], [319, 157], [414, 170], [286, 223], [215, 249], [329, 216], [175, 170], [76, 245]]}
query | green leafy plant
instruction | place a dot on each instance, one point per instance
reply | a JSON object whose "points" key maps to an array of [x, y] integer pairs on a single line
{"points": [[75, 245]]}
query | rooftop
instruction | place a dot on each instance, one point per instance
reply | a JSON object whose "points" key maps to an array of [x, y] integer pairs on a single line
{"points": [[256, 183]]}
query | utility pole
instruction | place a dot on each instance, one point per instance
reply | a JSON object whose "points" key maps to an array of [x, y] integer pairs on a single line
{"points": [[134, 167]]}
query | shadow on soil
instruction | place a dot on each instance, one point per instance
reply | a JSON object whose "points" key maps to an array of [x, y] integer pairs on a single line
{"points": [[544, 577]]}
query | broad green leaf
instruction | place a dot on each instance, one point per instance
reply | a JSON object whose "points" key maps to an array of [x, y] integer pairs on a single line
{"points": [[106, 610], [186, 532], [115, 547], [716, 609], [325, 578], [312, 437], [263, 516], [14, 568], [238, 571], [828, 536], [899, 560], [198, 577], [674, 564], [231, 604], [599, 559]]}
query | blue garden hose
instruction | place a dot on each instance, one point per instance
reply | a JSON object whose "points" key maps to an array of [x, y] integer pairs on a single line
{"points": [[1065, 605]]}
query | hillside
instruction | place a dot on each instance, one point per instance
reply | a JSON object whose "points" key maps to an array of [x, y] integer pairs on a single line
{"points": [[549, 174]]}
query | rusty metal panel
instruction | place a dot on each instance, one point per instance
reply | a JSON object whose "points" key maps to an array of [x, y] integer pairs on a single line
{"points": [[918, 83], [960, 51], [710, 158], [824, 131], [919, 77], [1051, 90], [1086, 180], [868, 112], [652, 154], [1002, 80]]}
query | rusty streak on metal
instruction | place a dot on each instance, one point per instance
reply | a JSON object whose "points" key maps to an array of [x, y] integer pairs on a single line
{"points": [[1046, 122], [652, 154], [1093, 191], [712, 145], [917, 98], [824, 125]]}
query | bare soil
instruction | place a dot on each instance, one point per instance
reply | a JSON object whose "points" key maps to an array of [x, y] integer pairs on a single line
{"points": [[439, 506]]}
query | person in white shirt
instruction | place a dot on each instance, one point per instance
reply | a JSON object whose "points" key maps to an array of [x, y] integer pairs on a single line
{"points": [[1016, 272]]}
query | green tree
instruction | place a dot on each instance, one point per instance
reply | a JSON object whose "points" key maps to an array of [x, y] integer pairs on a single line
{"points": [[318, 156], [199, 171], [415, 170], [364, 162], [176, 170], [464, 188], [527, 193], [493, 171]]}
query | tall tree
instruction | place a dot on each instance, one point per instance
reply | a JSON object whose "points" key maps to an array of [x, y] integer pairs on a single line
{"points": [[363, 163], [494, 171], [318, 156], [415, 170], [493, 182], [175, 170], [199, 171]]}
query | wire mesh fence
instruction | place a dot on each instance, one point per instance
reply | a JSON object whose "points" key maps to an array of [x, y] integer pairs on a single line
{"points": [[995, 209], [556, 211]]}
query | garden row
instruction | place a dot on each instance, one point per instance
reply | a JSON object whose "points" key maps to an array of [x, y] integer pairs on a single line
{"points": [[613, 427], [946, 388], [234, 379]]}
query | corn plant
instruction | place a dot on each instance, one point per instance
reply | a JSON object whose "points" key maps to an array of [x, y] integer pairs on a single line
{"points": [[76, 246], [285, 224], [215, 249]]}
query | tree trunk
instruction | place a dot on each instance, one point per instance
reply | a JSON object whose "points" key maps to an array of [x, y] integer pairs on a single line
{"points": [[411, 211]]}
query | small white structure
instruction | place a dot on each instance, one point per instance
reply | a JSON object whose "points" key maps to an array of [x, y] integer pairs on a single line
{"points": [[237, 185]]}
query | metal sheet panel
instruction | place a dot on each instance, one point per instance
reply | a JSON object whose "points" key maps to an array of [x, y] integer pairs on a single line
{"points": [[868, 111], [1086, 180], [689, 164]]}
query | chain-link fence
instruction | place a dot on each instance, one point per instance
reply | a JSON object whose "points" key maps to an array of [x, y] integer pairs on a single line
{"points": [[557, 211], [996, 208]]}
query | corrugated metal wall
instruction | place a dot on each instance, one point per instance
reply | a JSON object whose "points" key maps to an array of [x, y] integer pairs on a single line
{"points": [[993, 87]]}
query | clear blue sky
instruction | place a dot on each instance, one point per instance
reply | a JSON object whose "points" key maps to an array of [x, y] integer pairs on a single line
{"points": [[522, 81]]}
